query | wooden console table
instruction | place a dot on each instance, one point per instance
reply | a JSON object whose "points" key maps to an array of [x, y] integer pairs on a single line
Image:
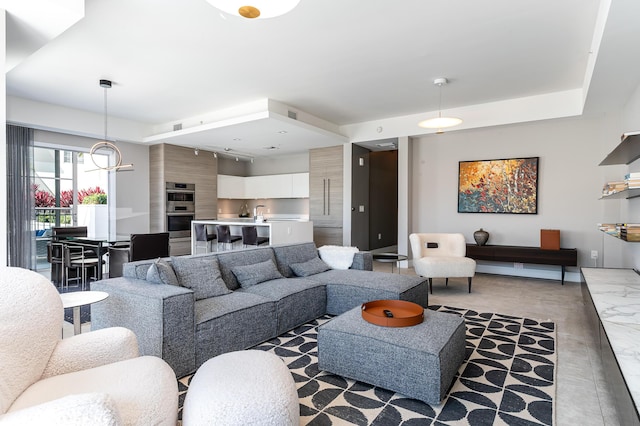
{"points": [[519, 254]]}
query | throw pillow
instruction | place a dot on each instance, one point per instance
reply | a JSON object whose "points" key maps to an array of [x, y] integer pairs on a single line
{"points": [[161, 272], [310, 267], [200, 274], [338, 257], [256, 273]]}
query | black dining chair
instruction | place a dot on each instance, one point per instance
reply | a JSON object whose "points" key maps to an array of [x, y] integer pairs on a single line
{"points": [[141, 247], [225, 237], [81, 261], [250, 236], [203, 236]]}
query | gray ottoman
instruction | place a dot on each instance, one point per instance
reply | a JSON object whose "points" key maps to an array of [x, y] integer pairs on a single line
{"points": [[419, 361]]}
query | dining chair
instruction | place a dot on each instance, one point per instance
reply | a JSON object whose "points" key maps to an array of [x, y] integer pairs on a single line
{"points": [[250, 236], [80, 260], [141, 247], [225, 237]]}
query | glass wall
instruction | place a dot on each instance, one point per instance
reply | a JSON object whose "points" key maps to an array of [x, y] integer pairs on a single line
{"points": [[69, 190]]}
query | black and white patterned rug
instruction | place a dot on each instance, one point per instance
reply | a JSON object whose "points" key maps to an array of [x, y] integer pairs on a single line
{"points": [[507, 377]]}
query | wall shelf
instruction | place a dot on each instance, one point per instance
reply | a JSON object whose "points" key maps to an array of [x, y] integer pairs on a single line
{"points": [[626, 194], [627, 151]]}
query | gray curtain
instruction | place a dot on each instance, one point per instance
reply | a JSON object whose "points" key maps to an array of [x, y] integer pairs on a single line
{"points": [[20, 202]]}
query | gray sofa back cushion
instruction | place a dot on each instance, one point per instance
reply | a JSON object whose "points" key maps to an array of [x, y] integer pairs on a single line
{"points": [[241, 258], [250, 275], [200, 274], [161, 272], [295, 253]]}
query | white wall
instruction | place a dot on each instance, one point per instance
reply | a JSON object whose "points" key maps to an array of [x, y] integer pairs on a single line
{"points": [[569, 187]]}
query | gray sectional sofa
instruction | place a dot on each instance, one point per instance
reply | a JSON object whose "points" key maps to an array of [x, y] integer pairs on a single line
{"points": [[189, 309]]}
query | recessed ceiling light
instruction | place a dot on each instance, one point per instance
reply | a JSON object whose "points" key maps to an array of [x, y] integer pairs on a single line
{"points": [[237, 139], [271, 147], [227, 149], [385, 144], [282, 132]]}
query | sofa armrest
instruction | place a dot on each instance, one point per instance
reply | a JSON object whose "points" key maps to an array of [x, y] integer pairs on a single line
{"points": [[89, 350], [161, 316], [96, 409], [362, 260]]}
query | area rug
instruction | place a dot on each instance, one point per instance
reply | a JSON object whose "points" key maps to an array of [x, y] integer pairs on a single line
{"points": [[507, 377]]}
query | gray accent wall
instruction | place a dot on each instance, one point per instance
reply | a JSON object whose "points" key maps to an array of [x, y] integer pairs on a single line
{"points": [[569, 187]]}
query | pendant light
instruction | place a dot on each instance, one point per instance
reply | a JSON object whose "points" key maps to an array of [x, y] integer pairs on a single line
{"points": [[440, 122], [255, 9], [105, 145]]}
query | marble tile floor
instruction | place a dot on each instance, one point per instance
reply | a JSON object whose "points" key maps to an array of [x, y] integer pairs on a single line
{"points": [[582, 396]]}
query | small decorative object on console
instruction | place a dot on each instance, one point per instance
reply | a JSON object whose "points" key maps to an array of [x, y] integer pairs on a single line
{"points": [[550, 239], [481, 236]]}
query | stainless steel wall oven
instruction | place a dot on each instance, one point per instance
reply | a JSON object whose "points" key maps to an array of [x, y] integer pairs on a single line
{"points": [[180, 208]]}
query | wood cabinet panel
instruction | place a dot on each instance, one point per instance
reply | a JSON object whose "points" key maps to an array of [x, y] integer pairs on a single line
{"points": [[327, 236], [325, 186], [171, 163]]}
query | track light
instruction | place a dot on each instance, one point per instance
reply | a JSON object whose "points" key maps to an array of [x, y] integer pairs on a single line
{"points": [[215, 155], [196, 151], [251, 160], [237, 159]]}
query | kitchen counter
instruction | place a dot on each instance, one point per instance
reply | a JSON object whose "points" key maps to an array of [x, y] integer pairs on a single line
{"points": [[278, 231], [615, 296]]}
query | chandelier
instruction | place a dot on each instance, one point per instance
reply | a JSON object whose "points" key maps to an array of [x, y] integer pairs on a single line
{"points": [[105, 145]]}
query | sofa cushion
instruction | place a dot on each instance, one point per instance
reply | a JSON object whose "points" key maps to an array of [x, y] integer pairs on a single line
{"points": [[310, 267], [249, 275], [231, 259], [161, 272], [294, 253], [200, 274]]}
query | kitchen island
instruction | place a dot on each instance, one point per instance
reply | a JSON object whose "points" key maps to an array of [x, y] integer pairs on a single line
{"points": [[278, 231]]}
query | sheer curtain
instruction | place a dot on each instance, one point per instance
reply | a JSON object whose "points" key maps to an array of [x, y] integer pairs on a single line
{"points": [[20, 202]]}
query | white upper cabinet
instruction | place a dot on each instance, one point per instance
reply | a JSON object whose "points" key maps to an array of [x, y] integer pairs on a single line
{"points": [[230, 186], [291, 185], [300, 185]]}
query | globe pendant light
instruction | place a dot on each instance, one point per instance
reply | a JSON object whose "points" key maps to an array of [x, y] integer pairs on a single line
{"points": [[105, 145], [255, 9], [440, 122]]}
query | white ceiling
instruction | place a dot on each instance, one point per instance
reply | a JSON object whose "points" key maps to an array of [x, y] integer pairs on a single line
{"points": [[340, 62]]}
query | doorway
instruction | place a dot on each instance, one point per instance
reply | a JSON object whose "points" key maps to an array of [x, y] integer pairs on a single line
{"points": [[374, 208]]}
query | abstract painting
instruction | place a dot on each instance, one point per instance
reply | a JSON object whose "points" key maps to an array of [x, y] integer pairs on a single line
{"points": [[498, 186]]}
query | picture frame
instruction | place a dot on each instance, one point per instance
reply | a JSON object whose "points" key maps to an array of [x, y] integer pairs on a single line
{"points": [[498, 186]]}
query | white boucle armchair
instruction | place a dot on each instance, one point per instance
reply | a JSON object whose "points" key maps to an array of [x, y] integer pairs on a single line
{"points": [[441, 256], [95, 378]]}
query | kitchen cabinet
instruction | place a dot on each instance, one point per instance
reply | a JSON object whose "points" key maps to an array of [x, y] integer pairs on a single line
{"points": [[326, 194], [291, 185], [171, 163], [231, 187], [300, 185]]}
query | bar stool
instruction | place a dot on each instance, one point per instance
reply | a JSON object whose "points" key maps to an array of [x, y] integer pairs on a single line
{"points": [[225, 237], [250, 236], [203, 237]]}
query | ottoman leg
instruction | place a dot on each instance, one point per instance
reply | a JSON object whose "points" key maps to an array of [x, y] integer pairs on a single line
{"points": [[242, 388]]}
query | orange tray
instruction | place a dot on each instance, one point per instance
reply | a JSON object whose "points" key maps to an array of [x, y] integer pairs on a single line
{"points": [[405, 314]]}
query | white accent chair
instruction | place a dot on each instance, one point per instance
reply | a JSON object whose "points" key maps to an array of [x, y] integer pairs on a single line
{"points": [[93, 378], [441, 256]]}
